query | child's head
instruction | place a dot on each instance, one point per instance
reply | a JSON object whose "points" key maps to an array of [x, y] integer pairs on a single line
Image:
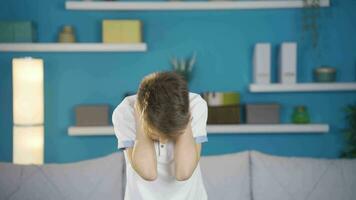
{"points": [[163, 101]]}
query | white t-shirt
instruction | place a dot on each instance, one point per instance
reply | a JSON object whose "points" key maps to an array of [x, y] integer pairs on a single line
{"points": [[165, 187]]}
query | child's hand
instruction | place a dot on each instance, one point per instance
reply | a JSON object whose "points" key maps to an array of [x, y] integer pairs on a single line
{"points": [[187, 132], [139, 125]]}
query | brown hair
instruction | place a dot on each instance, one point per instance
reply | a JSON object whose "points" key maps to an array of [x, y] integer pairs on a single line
{"points": [[163, 99]]}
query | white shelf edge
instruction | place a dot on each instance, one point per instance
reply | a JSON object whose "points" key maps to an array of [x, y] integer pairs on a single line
{"points": [[218, 129], [303, 87], [71, 47], [90, 130], [199, 5], [268, 128]]}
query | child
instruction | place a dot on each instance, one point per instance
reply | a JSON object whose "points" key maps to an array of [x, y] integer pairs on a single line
{"points": [[161, 129]]}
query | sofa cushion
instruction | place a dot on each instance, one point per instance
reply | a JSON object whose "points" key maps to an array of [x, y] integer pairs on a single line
{"points": [[290, 178], [226, 177], [100, 178]]}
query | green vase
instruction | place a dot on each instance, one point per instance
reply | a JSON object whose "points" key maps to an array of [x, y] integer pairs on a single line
{"points": [[300, 115]]}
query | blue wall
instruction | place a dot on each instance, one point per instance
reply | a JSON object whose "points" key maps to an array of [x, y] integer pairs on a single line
{"points": [[223, 41]]}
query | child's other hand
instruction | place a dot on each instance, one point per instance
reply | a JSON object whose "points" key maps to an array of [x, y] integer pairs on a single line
{"points": [[187, 132], [138, 122]]}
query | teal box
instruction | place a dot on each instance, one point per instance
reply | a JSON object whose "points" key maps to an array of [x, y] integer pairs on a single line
{"points": [[6, 32], [17, 31]]}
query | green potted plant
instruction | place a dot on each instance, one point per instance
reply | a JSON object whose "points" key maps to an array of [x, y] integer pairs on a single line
{"points": [[184, 66], [350, 132], [311, 13]]}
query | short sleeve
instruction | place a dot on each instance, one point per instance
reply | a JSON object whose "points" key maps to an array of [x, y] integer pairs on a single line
{"points": [[199, 119], [123, 120]]}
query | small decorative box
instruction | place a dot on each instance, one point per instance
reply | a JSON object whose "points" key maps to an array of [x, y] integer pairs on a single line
{"points": [[325, 74], [262, 113], [221, 98], [92, 115], [224, 114], [17, 31], [122, 31]]}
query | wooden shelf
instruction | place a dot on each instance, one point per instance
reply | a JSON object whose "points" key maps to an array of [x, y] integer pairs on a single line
{"points": [[71, 47], [218, 129], [191, 5], [303, 87]]}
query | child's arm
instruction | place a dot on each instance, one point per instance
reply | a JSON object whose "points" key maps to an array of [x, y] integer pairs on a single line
{"points": [[142, 156], [186, 155]]}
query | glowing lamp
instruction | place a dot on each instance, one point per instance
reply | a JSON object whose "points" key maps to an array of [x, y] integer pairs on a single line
{"points": [[28, 110]]}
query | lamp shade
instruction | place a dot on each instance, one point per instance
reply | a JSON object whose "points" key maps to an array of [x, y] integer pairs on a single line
{"points": [[28, 110], [28, 100], [28, 145]]}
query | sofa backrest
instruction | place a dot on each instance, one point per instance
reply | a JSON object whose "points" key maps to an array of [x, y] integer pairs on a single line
{"points": [[227, 177], [240, 176], [288, 178], [100, 178]]}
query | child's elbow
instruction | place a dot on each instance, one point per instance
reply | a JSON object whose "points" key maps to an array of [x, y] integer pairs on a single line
{"points": [[147, 173], [149, 176], [183, 176]]}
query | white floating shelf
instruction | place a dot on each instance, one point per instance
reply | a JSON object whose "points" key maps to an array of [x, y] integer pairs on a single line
{"points": [[191, 5], [71, 47], [218, 129], [90, 130], [268, 128], [303, 87]]}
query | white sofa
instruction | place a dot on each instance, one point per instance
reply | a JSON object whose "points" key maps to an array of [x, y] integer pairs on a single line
{"points": [[239, 176]]}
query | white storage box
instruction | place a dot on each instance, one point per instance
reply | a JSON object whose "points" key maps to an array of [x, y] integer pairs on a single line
{"points": [[288, 63], [262, 63]]}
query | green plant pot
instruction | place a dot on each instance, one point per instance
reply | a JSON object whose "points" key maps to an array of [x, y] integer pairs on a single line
{"points": [[300, 115]]}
